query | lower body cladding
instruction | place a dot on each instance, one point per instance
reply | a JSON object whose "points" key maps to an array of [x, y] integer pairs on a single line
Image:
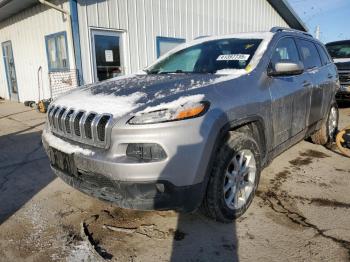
{"points": [[175, 182]]}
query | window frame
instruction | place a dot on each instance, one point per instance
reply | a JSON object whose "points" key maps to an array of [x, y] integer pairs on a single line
{"points": [[301, 55], [275, 46], [55, 36], [325, 51], [160, 39]]}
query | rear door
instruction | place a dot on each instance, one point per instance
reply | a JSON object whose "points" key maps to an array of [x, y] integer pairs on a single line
{"points": [[331, 80], [318, 76], [289, 94]]}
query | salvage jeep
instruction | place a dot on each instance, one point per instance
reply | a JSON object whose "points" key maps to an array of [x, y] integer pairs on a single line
{"points": [[196, 127]]}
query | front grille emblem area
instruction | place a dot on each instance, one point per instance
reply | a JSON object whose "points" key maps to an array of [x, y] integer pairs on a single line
{"points": [[81, 126]]}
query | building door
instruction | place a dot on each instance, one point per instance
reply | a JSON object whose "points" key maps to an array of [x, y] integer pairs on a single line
{"points": [[106, 54], [10, 70]]}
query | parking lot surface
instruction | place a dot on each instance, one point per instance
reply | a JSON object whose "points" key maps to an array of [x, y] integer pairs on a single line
{"points": [[301, 211]]}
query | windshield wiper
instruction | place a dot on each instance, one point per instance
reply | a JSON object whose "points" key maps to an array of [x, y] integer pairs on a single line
{"points": [[179, 71], [150, 72]]}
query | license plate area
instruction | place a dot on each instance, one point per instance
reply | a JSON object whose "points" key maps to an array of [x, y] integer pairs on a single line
{"points": [[62, 161]]}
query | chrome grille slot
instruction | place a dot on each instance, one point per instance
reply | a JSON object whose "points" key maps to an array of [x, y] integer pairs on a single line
{"points": [[67, 121], [101, 127], [77, 123], [85, 127], [53, 114], [59, 118], [49, 114]]}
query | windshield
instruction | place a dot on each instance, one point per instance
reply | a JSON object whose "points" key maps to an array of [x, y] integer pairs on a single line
{"points": [[339, 50], [209, 57]]}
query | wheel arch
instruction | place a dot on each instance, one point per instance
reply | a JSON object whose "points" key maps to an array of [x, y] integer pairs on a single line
{"points": [[257, 127]]}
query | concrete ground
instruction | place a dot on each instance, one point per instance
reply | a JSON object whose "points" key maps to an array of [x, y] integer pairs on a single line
{"points": [[301, 212]]}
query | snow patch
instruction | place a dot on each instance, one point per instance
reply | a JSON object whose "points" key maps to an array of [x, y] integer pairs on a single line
{"points": [[233, 72], [120, 77], [101, 103], [64, 146], [81, 252], [182, 101]]}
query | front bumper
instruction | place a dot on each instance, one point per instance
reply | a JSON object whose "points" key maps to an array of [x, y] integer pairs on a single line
{"points": [[158, 195], [176, 182]]}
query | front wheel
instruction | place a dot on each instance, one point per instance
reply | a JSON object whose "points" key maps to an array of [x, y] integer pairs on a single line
{"points": [[234, 178], [326, 134]]}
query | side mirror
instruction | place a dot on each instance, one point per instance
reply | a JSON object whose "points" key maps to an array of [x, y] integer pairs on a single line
{"points": [[286, 69]]}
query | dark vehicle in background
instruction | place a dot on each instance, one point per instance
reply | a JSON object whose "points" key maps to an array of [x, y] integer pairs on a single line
{"points": [[340, 52]]}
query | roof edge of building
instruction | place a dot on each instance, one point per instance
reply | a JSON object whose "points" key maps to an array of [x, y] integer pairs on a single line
{"points": [[284, 9]]}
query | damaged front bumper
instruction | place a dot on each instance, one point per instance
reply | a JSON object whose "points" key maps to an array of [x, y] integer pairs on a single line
{"points": [[176, 182], [158, 195]]}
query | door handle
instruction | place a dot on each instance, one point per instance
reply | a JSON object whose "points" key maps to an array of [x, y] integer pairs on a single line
{"points": [[330, 76]]}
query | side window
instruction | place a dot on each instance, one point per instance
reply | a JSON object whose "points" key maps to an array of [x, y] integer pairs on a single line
{"points": [[309, 54], [57, 52], [324, 57], [285, 51]]}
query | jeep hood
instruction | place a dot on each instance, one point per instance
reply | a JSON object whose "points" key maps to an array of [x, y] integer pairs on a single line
{"points": [[130, 94]]}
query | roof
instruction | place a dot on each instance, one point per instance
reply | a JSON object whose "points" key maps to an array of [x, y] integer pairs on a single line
{"points": [[288, 14], [12, 7], [9, 8]]}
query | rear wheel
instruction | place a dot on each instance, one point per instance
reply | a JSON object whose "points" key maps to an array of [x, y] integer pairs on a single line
{"points": [[328, 130], [234, 178]]}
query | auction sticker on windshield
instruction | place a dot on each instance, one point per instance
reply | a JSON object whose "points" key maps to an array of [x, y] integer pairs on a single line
{"points": [[233, 57]]}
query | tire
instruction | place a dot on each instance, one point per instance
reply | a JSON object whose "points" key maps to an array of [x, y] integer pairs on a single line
{"points": [[238, 146], [326, 134]]}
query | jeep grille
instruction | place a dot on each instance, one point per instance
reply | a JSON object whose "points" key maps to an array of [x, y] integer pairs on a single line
{"points": [[344, 77], [84, 127]]}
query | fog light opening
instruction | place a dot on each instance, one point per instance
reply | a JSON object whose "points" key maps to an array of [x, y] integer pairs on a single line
{"points": [[146, 152]]}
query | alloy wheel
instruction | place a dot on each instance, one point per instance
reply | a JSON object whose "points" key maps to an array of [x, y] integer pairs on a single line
{"points": [[332, 122], [239, 179]]}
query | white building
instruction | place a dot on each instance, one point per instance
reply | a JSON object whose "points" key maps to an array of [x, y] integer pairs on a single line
{"points": [[50, 47]]}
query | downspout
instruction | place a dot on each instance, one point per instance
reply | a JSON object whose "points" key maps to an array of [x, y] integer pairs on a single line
{"points": [[69, 29]]}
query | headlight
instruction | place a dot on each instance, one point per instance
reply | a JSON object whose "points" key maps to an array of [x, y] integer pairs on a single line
{"points": [[186, 111]]}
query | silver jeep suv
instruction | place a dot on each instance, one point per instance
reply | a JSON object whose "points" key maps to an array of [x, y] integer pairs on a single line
{"points": [[196, 127]]}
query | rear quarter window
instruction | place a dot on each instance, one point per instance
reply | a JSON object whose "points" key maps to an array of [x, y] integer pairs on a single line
{"points": [[325, 58], [309, 54]]}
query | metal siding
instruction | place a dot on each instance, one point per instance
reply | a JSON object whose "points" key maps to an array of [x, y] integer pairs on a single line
{"points": [[144, 20], [27, 31]]}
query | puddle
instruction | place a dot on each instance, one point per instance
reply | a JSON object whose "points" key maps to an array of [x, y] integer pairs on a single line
{"points": [[314, 154], [299, 161]]}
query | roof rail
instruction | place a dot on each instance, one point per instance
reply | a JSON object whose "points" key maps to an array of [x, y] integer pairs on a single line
{"points": [[284, 29]]}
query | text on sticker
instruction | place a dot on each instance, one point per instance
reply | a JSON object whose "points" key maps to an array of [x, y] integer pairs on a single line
{"points": [[233, 57]]}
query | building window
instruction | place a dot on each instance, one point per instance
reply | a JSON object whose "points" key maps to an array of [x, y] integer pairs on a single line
{"points": [[57, 52], [165, 44]]}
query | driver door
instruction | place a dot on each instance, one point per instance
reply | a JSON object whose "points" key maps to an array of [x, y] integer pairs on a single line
{"points": [[290, 94]]}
